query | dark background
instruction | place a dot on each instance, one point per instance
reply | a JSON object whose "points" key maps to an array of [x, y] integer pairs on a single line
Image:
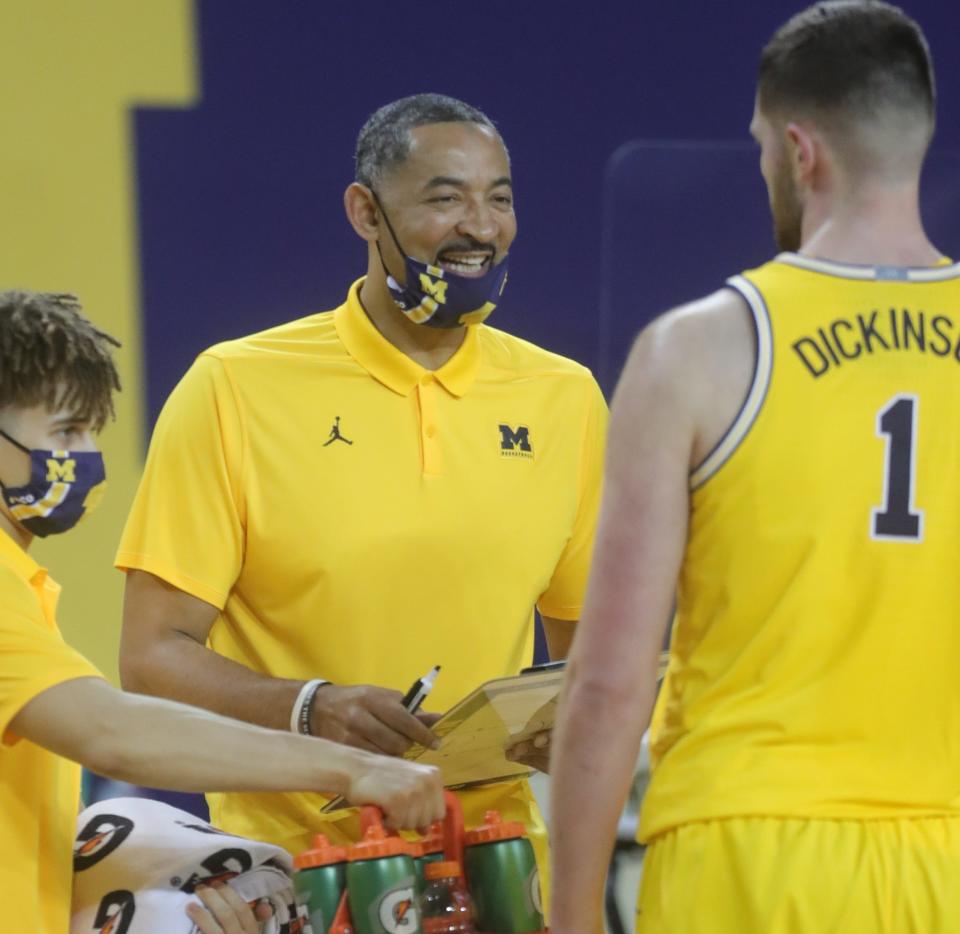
{"points": [[241, 217]]}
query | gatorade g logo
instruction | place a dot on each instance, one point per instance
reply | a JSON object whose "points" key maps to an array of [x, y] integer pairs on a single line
{"points": [[99, 839], [515, 443], [436, 288], [221, 866], [115, 913], [535, 899], [61, 470], [397, 910]]}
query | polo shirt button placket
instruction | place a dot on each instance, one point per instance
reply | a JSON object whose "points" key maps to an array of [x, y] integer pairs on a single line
{"points": [[427, 390]]}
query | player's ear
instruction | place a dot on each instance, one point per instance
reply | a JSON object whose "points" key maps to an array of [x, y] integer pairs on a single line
{"points": [[362, 212], [804, 153]]}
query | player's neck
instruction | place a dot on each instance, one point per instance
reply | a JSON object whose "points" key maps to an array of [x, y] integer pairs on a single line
{"points": [[430, 347], [871, 225], [17, 532]]}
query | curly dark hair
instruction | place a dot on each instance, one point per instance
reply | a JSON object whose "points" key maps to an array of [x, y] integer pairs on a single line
{"points": [[51, 354]]}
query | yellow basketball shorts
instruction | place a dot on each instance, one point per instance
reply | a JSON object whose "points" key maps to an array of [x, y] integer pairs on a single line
{"points": [[790, 876]]}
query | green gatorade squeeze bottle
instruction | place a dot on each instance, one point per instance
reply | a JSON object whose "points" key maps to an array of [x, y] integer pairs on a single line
{"points": [[382, 885], [503, 877], [320, 878]]}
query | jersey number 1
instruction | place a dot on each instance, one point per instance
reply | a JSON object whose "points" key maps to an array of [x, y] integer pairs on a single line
{"points": [[897, 518]]}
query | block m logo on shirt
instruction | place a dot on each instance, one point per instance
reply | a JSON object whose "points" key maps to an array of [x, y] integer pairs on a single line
{"points": [[515, 442]]}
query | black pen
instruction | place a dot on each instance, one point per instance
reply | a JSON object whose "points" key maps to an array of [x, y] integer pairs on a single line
{"points": [[419, 690]]}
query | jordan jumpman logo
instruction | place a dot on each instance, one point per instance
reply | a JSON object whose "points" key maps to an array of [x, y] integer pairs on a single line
{"points": [[335, 434]]}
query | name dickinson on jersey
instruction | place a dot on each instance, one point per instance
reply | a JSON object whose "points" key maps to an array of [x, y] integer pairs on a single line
{"points": [[872, 332]]}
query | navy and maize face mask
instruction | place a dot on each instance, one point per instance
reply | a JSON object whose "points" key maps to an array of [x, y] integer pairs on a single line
{"points": [[438, 298], [64, 486]]}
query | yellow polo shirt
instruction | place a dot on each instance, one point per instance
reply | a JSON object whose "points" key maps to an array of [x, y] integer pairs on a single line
{"points": [[39, 791], [359, 518]]}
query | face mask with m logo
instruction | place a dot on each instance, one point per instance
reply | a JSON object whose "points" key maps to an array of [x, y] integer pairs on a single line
{"points": [[437, 298], [63, 487]]}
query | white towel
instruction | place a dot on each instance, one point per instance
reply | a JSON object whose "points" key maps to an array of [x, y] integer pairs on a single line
{"points": [[136, 863]]}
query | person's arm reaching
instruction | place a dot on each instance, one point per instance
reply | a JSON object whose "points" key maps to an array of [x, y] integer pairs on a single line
{"points": [[150, 741], [163, 652], [673, 403]]}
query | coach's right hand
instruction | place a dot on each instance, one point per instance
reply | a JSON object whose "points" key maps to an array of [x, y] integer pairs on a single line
{"points": [[370, 718], [409, 795]]}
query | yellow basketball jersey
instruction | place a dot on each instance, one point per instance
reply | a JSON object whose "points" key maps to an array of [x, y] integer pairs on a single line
{"points": [[815, 658]]}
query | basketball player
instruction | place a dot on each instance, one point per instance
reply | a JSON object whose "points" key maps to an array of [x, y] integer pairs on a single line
{"points": [[784, 459]]}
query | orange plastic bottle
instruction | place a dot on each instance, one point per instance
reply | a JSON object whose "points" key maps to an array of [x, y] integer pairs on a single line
{"points": [[445, 906]]}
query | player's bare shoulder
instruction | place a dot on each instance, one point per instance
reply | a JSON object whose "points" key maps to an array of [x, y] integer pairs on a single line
{"points": [[701, 357]]}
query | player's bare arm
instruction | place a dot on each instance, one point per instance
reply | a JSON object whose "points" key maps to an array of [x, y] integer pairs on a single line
{"points": [[682, 387], [147, 740], [163, 652]]}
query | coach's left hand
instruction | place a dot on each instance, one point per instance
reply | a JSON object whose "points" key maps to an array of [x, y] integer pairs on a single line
{"points": [[533, 751]]}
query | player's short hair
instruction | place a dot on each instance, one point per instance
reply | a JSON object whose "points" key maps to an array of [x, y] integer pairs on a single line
{"points": [[51, 354], [384, 140], [849, 58]]}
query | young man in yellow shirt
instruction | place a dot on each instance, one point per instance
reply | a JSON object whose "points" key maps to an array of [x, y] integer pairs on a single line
{"points": [[784, 459], [57, 379], [362, 494]]}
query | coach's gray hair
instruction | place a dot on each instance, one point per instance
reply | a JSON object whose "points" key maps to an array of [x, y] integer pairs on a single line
{"points": [[384, 141]]}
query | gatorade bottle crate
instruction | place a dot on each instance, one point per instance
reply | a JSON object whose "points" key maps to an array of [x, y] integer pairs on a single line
{"points": [[497, 861]]}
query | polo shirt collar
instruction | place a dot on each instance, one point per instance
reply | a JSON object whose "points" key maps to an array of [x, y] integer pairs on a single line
{"points": [[17, 559], [392, 367]]}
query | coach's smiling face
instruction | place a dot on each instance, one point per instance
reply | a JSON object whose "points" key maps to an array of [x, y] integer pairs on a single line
{"points": [[450, 202]]}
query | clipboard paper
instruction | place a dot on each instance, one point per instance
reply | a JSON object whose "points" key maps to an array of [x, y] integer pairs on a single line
{"points": [[477, 731]]}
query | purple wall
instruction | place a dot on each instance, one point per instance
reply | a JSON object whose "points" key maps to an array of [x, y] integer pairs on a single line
{"points": [[240, 199]]}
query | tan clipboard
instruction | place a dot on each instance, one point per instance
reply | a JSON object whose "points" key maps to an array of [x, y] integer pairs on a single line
{"points": [[476, 732]]}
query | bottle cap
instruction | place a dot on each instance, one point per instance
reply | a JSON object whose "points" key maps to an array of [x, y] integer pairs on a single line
{"points": [[323, 853], [375, 844], [495, 828], [445, 869]]}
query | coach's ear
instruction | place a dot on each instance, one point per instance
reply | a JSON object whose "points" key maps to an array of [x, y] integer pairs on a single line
{"points": [[362, 211]]}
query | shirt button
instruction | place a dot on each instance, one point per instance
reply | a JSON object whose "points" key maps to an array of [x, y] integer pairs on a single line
{"points": [[431, 431], [426, 379]]}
